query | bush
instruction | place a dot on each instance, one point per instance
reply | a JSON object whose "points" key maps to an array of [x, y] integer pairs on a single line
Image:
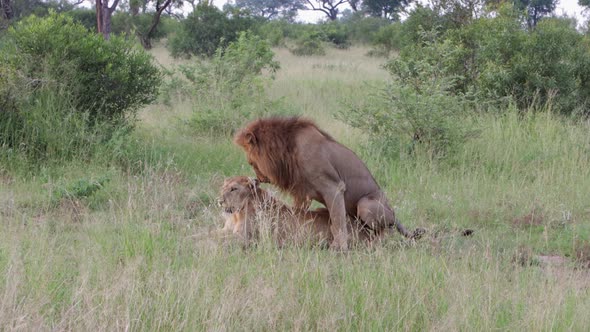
{"points": [[275, 31], [206, 29], [309, 44], [362, 29], [411, 114], [229, 89], [389, 38], [86, 17], [498, 61], [335, 33], [59, 79]]}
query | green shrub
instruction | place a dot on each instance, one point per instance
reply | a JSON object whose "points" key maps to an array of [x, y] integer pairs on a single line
{"points": [[275, 31], [63, 88], [362, 29], [107, 79], [499, 61], [206, 29], [86, 17], [387, 39], [80, 189], [550, 63], [229, 88], [414, 114], [336, 33], [309, 44]]}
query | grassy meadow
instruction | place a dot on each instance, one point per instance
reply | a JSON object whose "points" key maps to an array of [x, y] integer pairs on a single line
{"points": [[139, 253]]}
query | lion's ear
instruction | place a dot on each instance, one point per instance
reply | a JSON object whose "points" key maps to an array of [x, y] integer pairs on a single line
{"points": [[245, 138], [250, 138]]}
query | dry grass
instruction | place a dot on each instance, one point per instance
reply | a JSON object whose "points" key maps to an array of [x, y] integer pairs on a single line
{"points": [[137, 255]]}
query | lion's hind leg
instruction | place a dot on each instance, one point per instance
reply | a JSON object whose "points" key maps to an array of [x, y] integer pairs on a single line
{"points": [[378, 216]]}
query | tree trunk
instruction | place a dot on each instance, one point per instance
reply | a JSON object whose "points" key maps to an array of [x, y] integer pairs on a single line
{"points": [[106, 21], [103, 17], [99, 16], [7, 12], [146, 39], [333, 16]]}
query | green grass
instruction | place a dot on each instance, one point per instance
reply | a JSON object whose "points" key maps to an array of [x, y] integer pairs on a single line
{"points": [[139, 252]]}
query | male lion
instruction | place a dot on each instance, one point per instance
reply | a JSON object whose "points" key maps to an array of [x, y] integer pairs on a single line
{"points": [[244, 202], [301, 159]]}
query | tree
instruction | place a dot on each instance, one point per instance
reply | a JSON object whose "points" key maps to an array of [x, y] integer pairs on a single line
{"points": [[23, 8], [161, 6], [328, 7], [270, 9], [104, 14], [536, 9], [388, 9], [208, 28]]}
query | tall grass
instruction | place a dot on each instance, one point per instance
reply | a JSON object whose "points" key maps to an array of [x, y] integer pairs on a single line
{"points": [[138, 253]]}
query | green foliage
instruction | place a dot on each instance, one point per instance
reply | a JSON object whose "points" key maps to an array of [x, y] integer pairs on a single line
{"points": [[309, 44], [335, 33], [388, 9], [270, 9], [44, 124], [497, 60], [133, 25], [362, 29], [79, 189], [275, 31], [414, 114], [86, 17], [107, 79], [388, 38], [423, 19], [229, 89], [534, 10], [64, 88], [206, 29]]}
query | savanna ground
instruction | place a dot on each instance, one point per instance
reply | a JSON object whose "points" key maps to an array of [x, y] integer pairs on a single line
{"points": [[138, 254]]}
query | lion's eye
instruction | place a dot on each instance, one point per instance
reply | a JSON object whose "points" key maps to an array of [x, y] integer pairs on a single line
{"points": [[233, 189]]}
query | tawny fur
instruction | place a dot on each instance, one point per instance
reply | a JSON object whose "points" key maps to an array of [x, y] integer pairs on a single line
{"points": [[306, 162], [245, 203]]}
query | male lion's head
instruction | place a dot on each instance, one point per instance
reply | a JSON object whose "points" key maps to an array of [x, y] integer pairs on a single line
{"points": [[236, 192], [270, 146], [248, 141]]}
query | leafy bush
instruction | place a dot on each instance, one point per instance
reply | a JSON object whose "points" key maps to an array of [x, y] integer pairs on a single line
{"points": [[497, 60], [63, 87], [106, 78], [388, 39], [206, 29], [80, 189], [275, 31], [309, 44], [412, 114], [86, 17], [362, 29], [229, 88], [336, 33]]}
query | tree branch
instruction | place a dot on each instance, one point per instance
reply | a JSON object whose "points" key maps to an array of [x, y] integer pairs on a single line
{"points": [[112, 8]]}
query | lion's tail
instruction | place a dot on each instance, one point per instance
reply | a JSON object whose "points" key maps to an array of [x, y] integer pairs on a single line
{"points": [[415, 235]]}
